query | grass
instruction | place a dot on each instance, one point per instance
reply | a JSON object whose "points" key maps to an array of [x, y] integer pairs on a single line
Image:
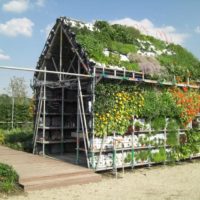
{"points": [[8, 180]]}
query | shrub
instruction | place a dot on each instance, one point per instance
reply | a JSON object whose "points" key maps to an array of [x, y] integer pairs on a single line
{"points": [[19, 139], [8, 179], [2, 137]]}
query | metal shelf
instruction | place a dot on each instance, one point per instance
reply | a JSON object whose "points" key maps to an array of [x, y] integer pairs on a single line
{"points": [[56, 141], [56, 128], [55, 114], [65, 100], [125, 149]]}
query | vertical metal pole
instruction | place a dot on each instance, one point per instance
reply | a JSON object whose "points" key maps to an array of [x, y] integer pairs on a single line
{"points": [[37, 119], [78, 120], [62, 121], [13, 107], [60, 78], [132, 149], [114, 156], [165, 137], [93, 115], [77, 127], [44, 114], [61, 51]]}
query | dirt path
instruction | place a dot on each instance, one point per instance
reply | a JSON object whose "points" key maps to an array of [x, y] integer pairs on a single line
{"points": [[157, 183]]}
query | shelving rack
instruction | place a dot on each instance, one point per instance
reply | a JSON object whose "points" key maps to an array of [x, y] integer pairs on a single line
{"points": [[64, 115]]}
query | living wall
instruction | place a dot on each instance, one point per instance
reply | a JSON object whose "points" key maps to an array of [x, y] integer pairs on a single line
{"points": [[125, 101]]}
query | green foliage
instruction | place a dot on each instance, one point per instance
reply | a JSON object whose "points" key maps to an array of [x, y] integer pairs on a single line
{"points": [[159, 44], [122, 48], [158, 123], [113, 115], [182, 64], [8, 179], [20, 139], [159, 156], [191, 146], [172, 134], [117, 32], [159, 104], [21, 112], [128, 158], [142, 155], [2, 137], [121, 39]]}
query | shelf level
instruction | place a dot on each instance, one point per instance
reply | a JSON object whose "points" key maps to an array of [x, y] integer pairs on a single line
{"points": [[56, 128], [126, 149], [56, 141]]}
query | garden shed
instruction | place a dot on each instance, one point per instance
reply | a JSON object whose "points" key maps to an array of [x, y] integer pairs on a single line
{"points": [[110, 104]]}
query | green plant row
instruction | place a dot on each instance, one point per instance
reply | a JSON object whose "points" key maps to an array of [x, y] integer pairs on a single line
{"points": [[180, 150]]}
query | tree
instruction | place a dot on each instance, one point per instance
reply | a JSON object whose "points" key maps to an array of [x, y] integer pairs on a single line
{"points": [[17, 89]]}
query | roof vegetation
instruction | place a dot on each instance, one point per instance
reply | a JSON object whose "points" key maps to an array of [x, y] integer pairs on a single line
{"points": [[120, 46]]}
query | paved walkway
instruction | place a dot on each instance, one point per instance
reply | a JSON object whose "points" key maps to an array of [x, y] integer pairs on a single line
{"points": [[37, 172]]}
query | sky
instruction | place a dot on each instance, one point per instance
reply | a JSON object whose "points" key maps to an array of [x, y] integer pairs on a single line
{"points": [[24, 25]]}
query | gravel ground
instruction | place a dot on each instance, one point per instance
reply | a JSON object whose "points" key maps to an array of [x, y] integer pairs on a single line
{"points": [[162, 182]]}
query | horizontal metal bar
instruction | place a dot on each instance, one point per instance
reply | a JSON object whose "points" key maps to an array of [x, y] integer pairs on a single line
{"points": [[16, 122], [43, 71]]}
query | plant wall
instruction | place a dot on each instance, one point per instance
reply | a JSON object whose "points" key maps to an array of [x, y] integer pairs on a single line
{"points": [[117, 104]]}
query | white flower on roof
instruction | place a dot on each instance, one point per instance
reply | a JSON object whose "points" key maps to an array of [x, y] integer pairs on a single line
{"points": [[106, 52], [124, 58]]}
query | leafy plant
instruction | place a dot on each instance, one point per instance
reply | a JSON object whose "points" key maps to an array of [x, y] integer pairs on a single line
{"points": [[172, 134], [158, 123], [128, 158], [2, 137], [138, 126], [8, 179], [19, 139], [160, 156]]}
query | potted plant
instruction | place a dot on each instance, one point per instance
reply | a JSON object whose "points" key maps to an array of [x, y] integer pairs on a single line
{"points": [[137, 126]]}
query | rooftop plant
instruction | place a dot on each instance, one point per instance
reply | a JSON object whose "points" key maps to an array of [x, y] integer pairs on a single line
{"points": [[122, 40]]}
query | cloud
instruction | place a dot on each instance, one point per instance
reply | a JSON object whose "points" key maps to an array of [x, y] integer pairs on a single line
{"points": [[20, 6], [17, 26], [40, 3], [47, 29], [16, 6], [197, 29], [165, 33], [3, 56]]}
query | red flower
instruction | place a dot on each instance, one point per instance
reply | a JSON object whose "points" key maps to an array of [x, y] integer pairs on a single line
{"points": [[185, 89]]}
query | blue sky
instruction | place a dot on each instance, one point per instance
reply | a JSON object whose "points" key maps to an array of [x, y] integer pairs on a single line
{"points": [[24, 23]]}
